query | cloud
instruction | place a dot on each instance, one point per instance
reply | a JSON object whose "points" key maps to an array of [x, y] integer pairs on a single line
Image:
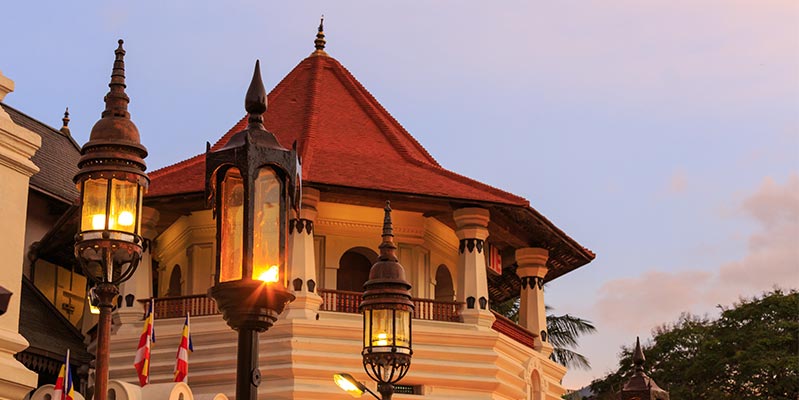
{"points": [[771, 259], [678, 182]]}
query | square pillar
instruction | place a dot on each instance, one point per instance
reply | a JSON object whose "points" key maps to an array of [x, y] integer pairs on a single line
{"points": [[302, 261], [532, 268], [17, 146], [472, 231]]}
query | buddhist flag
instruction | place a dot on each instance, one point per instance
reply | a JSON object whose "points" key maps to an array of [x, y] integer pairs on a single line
{"points": [[142, 361], [182, 363], [63, 385]]}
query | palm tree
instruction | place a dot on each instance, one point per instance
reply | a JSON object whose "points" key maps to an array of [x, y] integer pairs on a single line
{"points": [[564, 330]]}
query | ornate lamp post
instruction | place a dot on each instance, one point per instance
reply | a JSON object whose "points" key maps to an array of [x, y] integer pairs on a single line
{"points": [[387, 310], [250, 183], [111, 182]]}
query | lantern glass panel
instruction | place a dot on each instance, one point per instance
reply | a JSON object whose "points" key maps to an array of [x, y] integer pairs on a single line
{"points": [[95, 192], [124, 206], [231, 226], [381, 332], [402, 325], [266, 227]]}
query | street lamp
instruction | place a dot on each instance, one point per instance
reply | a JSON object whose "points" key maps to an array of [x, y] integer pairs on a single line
{"points": [[111, 182], [350, 385], [250, 184], [387, 310]]}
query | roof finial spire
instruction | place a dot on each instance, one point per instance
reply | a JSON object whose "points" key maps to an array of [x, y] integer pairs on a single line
{"points": [[255, 100], [388, 250], [638, 356], [65, 128], [320, 41]]}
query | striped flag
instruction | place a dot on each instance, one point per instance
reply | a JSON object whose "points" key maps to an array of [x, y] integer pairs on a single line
{"points": [[64, 389], [182, 362], [142, 361]]}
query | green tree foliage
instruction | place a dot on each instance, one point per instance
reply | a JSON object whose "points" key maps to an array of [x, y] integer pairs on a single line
{"points": [[750, 352], [564, 330]]}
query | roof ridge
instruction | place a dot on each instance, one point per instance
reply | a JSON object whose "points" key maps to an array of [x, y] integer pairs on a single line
{"points": [[378, 113], [167, 169], [311, 120], [36, 121], [466, 180]]}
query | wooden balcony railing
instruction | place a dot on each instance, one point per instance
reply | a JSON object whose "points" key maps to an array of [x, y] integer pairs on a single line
{"points": [[348, 302], [177, 307], [514, 331]]}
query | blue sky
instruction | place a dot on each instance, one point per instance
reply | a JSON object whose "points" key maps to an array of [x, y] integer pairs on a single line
{"points": [[663, 135]]}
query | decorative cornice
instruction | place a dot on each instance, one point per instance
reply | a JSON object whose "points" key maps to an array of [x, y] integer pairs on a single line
{"points": [[299, 225], [532, 281], [342, 227], [471, 245]]}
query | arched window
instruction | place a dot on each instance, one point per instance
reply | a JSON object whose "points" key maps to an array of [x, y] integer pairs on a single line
{"points": [[353, 268], [175, 279], [445, 291], [535, 386]]}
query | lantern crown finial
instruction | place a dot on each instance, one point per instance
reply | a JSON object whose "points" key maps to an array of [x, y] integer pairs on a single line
{"points": [[114, 142], [388, 250], [255, 100]]}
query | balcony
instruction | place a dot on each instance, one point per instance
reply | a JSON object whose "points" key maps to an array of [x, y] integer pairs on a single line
{"points": [[345, 302]]}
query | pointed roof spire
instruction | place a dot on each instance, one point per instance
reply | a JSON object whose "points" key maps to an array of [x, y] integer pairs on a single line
{"points": [[640, 385], [65, 128], [388, 250], [255, 100], [638, 356], [320, 41]]}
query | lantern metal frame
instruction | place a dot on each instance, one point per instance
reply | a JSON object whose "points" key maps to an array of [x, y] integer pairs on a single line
{"points": [[110, 256], [387, 290], [249, 305]]}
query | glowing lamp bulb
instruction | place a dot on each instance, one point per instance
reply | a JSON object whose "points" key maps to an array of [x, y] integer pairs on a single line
{"points": [[125, 218], [98, 221], [382, 339], [348, 384], [271, 275]]}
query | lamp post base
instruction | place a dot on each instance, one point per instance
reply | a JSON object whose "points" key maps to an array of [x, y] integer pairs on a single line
{"points": [[249, 307]]}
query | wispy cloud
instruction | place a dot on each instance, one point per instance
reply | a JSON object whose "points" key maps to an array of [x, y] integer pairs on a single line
{"points": [[772, 259]]}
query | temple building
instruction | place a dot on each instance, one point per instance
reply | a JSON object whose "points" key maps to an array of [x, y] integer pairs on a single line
{"points": [[464, 245]]}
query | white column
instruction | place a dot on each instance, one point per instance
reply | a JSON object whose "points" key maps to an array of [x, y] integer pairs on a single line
{"points": [[302, 263], [472, 224], [17, 146], [140, 285], [532, 268]]}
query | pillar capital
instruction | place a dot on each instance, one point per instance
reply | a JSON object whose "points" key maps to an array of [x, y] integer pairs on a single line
{"points": [[472, 223], [532, 262]]}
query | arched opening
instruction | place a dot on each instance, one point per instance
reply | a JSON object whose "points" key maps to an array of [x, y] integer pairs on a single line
{"points": [[535, 386], [112, 394], [353, 268], [445, 291], [175, 282]]}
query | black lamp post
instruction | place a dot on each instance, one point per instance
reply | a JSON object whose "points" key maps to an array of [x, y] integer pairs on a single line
{"points": [[111, 182], [250, 183], [387, 310]]}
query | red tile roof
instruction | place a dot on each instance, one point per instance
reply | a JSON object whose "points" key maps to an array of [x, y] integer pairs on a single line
{"points": [[345, 138]]}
